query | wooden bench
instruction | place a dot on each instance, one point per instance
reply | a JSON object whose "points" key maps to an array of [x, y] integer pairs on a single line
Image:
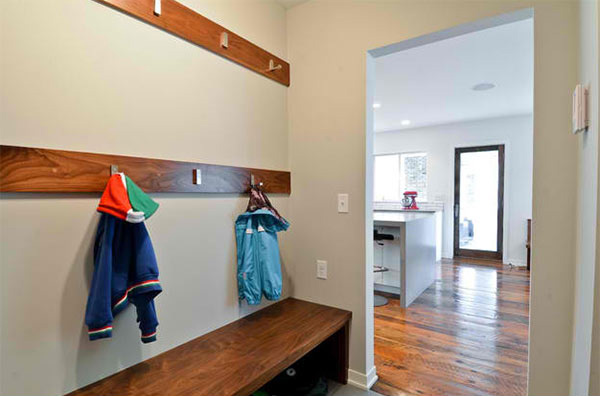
{"points": [[239, 358]]}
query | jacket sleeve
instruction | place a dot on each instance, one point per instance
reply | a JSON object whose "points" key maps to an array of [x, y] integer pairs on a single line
{"points": [[146, 313], [98, 315], [146, 286]]}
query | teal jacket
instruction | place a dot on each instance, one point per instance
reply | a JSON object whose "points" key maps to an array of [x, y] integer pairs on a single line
{"points": [[259, 267]]}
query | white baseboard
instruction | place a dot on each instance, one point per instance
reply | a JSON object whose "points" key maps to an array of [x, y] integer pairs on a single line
{"points": [[516, 262], [386, 288], [362, 381]]}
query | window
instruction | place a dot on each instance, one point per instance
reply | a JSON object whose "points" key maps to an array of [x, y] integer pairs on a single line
{"points": [[387, 178], [397, 173]]}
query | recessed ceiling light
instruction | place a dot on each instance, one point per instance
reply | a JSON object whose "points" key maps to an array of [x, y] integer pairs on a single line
{"points": [[483, 86], [376, 105], [405, 122]]}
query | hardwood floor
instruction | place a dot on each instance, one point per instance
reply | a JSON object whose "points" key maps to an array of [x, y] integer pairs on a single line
{"points": [[467, 334]]}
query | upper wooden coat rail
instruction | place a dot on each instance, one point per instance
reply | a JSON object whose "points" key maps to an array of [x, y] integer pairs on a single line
{"points": [[25, 169], [176, 18]]}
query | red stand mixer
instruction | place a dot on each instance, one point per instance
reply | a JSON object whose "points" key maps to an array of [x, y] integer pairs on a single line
{"points": [[410, 200]]}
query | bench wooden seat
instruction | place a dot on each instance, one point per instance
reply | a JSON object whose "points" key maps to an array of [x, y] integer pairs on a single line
{"points": [[239, 358]]}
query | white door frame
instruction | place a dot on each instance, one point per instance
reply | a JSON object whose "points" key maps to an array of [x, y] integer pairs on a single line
{"points": [[370, 135]]}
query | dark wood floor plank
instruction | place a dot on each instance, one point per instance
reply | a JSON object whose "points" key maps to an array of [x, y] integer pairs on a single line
{"points": [[444, 318], [417, 383], [467, 334], [387, 348], [436, 341], [464, 333], [444, 372]]}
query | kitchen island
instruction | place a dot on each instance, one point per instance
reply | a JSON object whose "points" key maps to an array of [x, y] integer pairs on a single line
{"points": [[410, 257]]}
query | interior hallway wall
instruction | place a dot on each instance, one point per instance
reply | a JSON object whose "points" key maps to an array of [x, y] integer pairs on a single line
{"points": [[327, 46], [78, 75], [439, 142]]}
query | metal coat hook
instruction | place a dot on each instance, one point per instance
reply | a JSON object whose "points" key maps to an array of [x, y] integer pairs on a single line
{"points": [[114, 169], [157, 7], [252, 182], [197, 176], [273, 67], [224, 40]]}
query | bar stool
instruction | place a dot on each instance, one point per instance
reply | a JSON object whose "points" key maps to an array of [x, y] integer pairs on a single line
{"points": [[378, 300]]}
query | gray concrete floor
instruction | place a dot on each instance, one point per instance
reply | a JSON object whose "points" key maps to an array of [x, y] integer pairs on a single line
{"points": [[336, 389]]}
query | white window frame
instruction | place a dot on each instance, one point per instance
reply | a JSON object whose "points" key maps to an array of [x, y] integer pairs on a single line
{"points": [[402, 181]]}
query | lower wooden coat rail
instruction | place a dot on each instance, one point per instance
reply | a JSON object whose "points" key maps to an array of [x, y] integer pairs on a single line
{"points": [[27, 169], [239, 358]]}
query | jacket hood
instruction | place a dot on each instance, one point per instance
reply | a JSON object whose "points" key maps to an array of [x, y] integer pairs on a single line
{"points": [[263, 218]]}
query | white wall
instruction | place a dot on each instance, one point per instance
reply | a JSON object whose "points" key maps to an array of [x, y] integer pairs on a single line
{"points": [[327, 101], [585, 357], [439, 142], [78, 75]]}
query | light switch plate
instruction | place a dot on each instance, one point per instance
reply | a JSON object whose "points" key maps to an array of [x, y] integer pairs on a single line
{"points": [[321, 269], [343, 203]]}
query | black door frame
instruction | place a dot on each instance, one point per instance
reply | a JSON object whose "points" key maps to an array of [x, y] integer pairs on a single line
{"points": [[483, 254]]}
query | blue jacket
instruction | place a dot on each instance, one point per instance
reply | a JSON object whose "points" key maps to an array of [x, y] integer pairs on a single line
{"points": [[259, 268], [125, 271]]}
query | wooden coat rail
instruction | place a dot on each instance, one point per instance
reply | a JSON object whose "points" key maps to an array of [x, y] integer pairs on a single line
{"points": [[181, 21], [25, 169]]}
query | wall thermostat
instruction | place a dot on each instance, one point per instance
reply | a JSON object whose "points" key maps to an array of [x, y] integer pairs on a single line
{"points": [[580, 100]]}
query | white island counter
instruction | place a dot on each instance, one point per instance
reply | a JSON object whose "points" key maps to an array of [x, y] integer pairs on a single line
{"points": [[411, 257], [392, 219]]}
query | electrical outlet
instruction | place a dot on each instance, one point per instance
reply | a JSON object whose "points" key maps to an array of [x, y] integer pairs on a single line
{"points": [[343, 203], [321, 269]]}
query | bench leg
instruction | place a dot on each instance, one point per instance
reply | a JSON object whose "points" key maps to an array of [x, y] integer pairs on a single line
{"points": [[337, 355]]}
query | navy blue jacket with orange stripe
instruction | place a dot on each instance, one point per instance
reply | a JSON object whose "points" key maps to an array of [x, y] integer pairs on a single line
{"points": [[125, 271]]}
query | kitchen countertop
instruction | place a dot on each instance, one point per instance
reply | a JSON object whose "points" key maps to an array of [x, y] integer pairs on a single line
{"points": [[435, 206], [409, 210], [383, 218]]}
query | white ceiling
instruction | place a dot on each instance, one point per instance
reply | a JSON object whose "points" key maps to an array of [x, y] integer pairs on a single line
{"points": [[290, 3], [431, 84]]}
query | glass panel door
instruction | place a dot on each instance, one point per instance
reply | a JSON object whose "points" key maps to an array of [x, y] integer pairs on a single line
{"points": [[478, 212]]}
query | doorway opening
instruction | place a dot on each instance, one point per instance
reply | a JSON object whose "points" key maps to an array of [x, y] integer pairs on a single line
{"points": [[479, 202], [449, 196]]}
